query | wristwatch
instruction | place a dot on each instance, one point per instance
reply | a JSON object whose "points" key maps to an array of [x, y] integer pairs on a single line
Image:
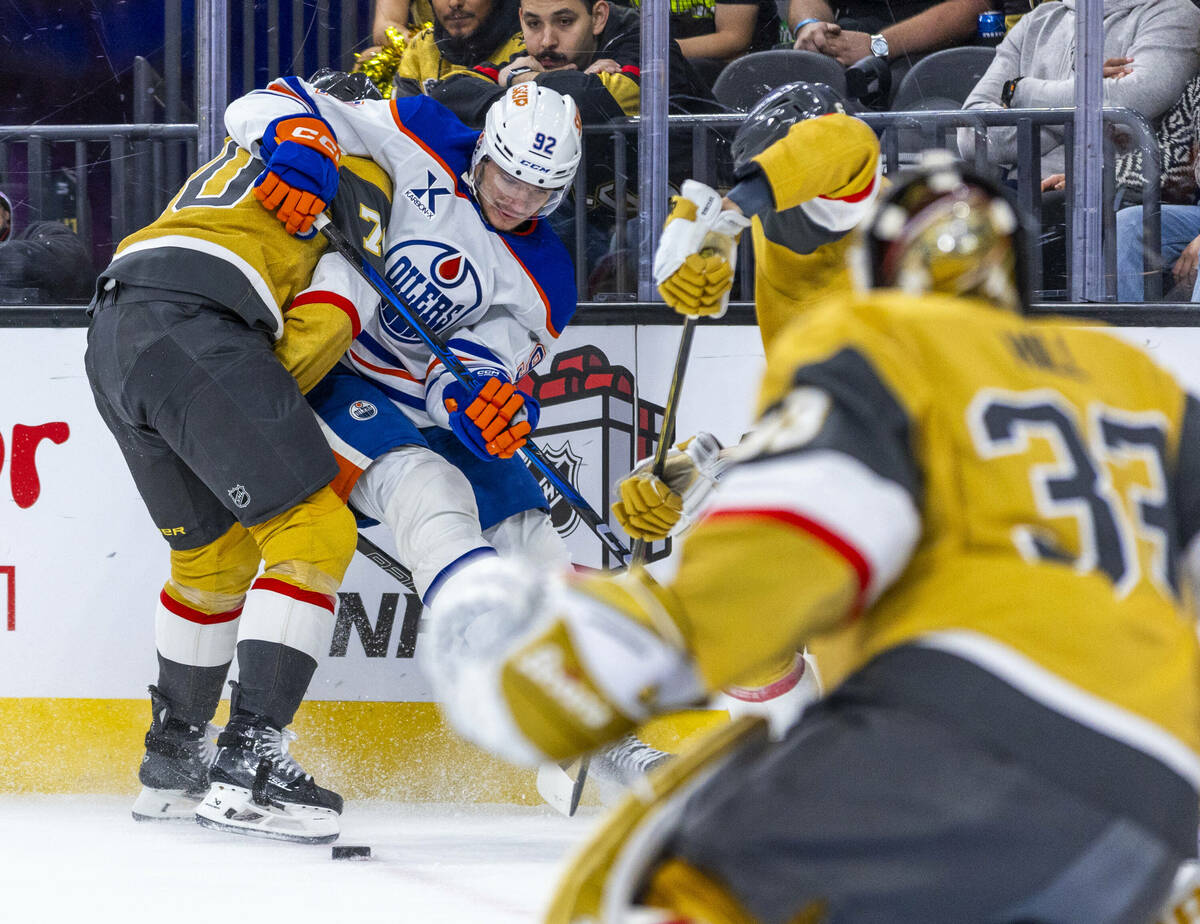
{"points": [[1008, 92], [513, 72], [879, 45]]}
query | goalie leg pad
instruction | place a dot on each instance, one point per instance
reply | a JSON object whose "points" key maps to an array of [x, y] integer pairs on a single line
{"points": [[604, 878]]}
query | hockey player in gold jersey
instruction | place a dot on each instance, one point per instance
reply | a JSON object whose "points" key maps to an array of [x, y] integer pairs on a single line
{"points": [[1008, 508], [808, 173], [207, 328]]}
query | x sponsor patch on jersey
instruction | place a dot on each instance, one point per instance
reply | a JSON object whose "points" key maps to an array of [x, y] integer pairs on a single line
{"points": [[424, 196]]}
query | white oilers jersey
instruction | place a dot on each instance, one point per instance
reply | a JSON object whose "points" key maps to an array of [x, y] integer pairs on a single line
{"points": [[497, 299]]}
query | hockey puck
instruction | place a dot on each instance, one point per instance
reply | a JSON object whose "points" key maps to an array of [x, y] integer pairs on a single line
{"points": [[344, 852]]}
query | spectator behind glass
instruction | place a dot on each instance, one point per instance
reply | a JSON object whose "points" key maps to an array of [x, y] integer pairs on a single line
{"points": [[456, 59], [1151, 52], [898, 31], [712, 33], [1179, 145], [44, 262], [406, 15]]}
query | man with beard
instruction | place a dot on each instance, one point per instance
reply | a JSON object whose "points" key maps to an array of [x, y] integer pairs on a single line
{"points": [[456, 60], [590, 50]]}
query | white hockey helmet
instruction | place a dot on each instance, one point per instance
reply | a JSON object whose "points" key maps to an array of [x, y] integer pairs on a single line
{"points": [[535, 134]]}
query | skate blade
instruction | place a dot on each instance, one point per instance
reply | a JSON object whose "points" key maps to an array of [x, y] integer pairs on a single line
{"points": [[232, 809], [172, 805]]}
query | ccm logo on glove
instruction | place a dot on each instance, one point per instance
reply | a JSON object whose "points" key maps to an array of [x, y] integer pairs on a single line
{"points": [[302, 157], [315, 138]]}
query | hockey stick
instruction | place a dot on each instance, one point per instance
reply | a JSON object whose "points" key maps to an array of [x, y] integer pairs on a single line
{"points": [[553, 779], [532, 455], [666, 435], [378, 556]]}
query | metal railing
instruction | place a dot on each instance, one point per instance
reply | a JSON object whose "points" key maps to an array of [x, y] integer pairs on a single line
{"points": [[132, 171], [902, 136], [127, 171]]}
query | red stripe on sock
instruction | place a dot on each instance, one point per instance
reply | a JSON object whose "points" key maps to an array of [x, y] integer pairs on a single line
{"points": [[274, 585], [183, 611]]}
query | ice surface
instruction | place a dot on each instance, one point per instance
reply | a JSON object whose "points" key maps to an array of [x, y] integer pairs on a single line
{"points": [[83, 859]]}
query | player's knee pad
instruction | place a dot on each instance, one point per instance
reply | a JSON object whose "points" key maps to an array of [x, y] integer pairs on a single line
{"points": [[312, 543], [196, 621], [429, 506], [215, 576], [530, 535]]}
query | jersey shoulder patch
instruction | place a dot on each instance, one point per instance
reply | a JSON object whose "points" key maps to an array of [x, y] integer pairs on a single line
{"points": [[437, 129]]}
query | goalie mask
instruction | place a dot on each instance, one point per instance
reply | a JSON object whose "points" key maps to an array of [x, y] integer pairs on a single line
{"points": [[778, 111], [535, 135], [347, 87], [943, 228]]}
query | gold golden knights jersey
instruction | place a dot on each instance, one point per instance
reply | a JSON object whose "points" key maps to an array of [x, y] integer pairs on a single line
{"points": [[216, 241], [423, 64], [824, 177], [933, 471]]}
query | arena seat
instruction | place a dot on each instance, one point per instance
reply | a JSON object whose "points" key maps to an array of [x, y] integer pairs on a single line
{"points": [[942, 80], [747, 79]]}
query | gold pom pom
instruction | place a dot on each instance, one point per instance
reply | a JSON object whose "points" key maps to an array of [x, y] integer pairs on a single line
{"points": [[381, 67]]}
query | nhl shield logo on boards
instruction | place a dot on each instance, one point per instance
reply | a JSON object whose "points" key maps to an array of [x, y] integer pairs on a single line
{"points": [[363, 410], [593, 427], [239, 495], [567, 463]]}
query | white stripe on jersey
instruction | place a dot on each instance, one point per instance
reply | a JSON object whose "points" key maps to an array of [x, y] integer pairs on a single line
{"points": [[359, 460], [873, 515], [840, 214], [1065, 698], [214, 250]]}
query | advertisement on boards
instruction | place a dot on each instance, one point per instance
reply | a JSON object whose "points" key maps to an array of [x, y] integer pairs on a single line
{"points": [[81, 564]]}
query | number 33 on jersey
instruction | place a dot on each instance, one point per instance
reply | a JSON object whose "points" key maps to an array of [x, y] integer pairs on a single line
{"points": [[1015, 505]]}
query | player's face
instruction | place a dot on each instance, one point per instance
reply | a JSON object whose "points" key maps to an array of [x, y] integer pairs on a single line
{"points": [[562, 32], [506, 201], [461, 17]]}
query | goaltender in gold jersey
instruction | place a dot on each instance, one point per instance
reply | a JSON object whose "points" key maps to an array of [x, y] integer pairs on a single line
{"points": [[1007, 511]]}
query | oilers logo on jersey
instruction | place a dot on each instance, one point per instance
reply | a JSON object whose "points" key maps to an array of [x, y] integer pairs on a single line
{"points": [[437, 281], [363, 410]]}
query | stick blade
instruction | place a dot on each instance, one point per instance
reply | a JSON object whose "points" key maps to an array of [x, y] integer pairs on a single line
{"points": [[560, 790]]}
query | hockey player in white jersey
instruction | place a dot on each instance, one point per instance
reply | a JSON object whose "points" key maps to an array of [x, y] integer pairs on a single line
{"points": [[465, 248]]}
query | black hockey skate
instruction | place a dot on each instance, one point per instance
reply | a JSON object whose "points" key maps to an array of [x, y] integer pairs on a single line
{"points": [[256, 787], [174, 771]]}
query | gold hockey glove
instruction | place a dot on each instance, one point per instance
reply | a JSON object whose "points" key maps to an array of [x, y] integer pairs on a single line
{"points": [[653, 508], [693, 266]]}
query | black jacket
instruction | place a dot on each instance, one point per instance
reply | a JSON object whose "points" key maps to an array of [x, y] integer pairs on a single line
{"points": [[621, 41], [47, 256]]}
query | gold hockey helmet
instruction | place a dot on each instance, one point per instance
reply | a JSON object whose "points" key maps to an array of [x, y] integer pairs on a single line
{"points": [[944, 228]]}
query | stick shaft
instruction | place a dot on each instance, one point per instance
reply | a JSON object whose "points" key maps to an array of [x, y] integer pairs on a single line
{"points": [[667, 432]]}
